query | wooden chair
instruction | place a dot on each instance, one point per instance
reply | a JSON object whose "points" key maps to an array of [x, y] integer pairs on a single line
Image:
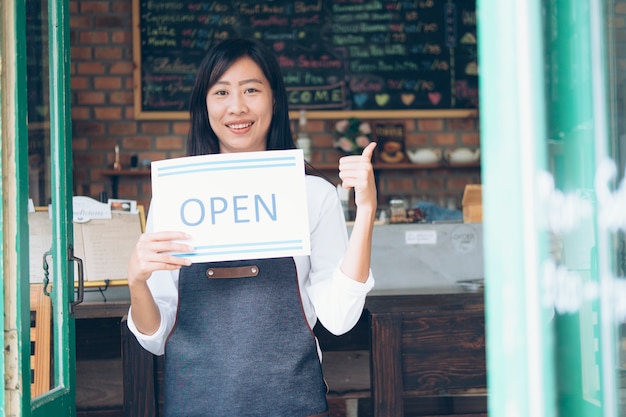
{"points": [[40, 327]]}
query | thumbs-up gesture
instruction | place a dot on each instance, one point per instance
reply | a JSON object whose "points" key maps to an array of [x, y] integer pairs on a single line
{"points": [[356, 171]]}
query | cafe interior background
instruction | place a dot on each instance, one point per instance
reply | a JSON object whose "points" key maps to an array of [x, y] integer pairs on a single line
{"points": [[549, 122]]}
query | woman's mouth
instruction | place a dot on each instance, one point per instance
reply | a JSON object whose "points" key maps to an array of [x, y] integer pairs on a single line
{"points": [[239, 126]]}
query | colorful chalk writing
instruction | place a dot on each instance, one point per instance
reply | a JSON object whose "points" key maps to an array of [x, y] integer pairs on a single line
{"points": [[334, 54]]}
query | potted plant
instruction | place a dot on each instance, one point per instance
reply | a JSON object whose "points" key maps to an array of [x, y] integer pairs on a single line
{"points": [[352, 136]]}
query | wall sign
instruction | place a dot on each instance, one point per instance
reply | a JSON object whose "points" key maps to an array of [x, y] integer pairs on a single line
{"points": [[372, 55]]}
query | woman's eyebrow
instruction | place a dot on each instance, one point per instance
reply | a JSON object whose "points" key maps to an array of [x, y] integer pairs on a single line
{"points": [[242, 82], [250, 80]]}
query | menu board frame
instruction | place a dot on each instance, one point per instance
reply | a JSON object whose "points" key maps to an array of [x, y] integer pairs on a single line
{"points": [[357, 87]]}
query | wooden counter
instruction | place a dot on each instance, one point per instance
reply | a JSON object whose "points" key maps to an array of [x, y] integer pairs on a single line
{"points": [[427, 357], [109, 309], [428, 344]]}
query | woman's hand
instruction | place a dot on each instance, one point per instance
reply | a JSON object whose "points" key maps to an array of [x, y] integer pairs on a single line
{"points": [[356, 172], [152, 253]]}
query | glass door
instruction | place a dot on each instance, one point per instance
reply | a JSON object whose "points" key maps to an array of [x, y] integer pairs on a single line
{"points": [[58, 279], [39, 273], [581, 271], [554, 208]]}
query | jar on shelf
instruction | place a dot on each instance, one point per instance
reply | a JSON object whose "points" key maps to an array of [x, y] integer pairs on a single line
{"points": [[397, 210]]}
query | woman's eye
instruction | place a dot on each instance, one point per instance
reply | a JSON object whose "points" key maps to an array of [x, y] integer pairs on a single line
{"points": [[220, 93], [251, 90]]}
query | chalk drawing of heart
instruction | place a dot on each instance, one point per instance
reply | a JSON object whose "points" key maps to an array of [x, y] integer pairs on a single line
{"points": [[382, 99], [360, 99], [407, 99], [434, 98], [279, 46]]}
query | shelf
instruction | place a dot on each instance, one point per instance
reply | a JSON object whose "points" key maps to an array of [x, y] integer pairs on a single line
{"points": [[93, 309], [403, 166], [378, 166], [383, 114], [323, 167], [125, 172]]}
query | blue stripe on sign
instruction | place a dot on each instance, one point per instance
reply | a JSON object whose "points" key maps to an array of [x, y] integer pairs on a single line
{"points": [[229, 252], [226, 165], [244, 248], [269, 242]]}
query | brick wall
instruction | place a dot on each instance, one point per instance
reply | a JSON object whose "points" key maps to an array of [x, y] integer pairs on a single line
{"points": [[435, 185], [103, 117]]}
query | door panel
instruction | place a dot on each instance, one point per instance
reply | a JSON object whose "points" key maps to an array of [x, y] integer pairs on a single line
{"points": [[552, 285], [50, 186]]}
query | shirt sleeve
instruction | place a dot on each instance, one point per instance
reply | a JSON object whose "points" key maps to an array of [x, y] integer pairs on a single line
{"points": [[338, 300], [164, 288]]}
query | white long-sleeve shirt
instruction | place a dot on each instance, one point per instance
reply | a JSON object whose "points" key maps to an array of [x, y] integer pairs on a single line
{"points": [[327, 294]]}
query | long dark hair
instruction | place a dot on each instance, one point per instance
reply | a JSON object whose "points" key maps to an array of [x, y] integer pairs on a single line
{"points": [[202, 139]]}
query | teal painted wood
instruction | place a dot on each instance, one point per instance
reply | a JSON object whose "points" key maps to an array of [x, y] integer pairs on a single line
{"points": [[60, 401], [585, 336], [607, 244], [513, 138], [18, 189], [564, 365]]}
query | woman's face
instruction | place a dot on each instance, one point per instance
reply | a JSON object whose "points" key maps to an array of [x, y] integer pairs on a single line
{"points": [[240, 107]]}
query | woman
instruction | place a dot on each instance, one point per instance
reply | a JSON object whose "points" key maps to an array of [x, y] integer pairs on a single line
{"points": [[245, 347]]}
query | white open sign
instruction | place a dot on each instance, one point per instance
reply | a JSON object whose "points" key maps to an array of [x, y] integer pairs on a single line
{"points": [[235, 206]]}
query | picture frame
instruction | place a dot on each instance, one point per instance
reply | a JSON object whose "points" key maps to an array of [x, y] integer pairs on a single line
{"points": [[390, 139]]}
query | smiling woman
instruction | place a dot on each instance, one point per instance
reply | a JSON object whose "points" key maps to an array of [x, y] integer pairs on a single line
{"points": [[305, 270]]}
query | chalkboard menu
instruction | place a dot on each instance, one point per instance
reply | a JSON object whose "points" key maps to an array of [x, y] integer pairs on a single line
{"points": [[374, 55]]}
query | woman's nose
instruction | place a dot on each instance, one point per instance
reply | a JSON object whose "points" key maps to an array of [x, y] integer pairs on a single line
{"points": [[237, 104]]}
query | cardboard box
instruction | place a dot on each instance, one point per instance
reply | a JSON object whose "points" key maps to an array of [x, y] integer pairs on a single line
{"points": [[473, 203]]}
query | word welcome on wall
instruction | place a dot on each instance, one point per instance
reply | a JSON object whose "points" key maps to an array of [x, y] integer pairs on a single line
{"points": [[348, 55]]}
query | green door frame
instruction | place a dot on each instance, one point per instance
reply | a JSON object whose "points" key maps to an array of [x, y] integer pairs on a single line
{"points": [[60, 400], [519, 377], [544, 133], [14, 133]]}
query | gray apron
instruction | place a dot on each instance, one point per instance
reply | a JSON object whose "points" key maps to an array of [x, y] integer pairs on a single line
{"points": [[241, 346]]}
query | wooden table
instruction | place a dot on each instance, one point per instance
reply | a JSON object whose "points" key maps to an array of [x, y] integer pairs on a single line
{"points": [[427, 343], [109, 309]]}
